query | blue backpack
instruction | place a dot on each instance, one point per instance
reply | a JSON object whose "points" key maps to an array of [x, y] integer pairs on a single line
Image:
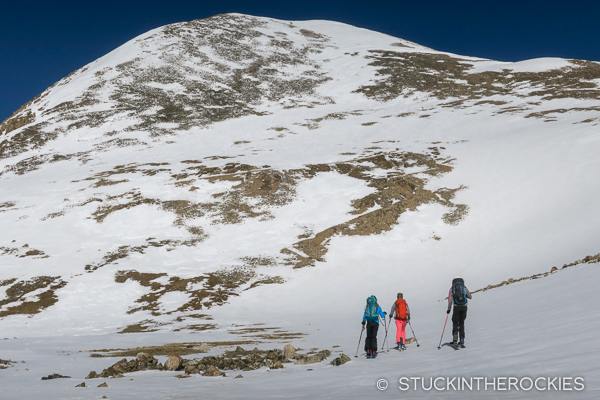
{"points": [[459, 292], [371, 309]]}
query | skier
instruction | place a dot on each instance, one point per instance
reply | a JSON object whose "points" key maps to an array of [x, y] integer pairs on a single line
{"points": [[458, 296], [401, 312], [371, 319]]}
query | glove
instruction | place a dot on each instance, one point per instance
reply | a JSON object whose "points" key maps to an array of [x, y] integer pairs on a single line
{"points": [[448, 312], [408, 318], [384, 314], [363, 323]]}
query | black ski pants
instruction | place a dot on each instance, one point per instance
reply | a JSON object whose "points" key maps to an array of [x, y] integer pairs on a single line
{"points": [[458, 320], [371, 340]]}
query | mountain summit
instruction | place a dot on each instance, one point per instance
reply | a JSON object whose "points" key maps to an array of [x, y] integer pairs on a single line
{"points": [[230, 169]]}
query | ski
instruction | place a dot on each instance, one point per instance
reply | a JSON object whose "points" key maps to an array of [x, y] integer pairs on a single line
{"points": [[454, 346]]}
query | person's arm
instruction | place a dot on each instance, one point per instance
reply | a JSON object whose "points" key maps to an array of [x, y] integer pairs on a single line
{"points": [[380, 312], [450, 300], [407, 312], [468, 293], [393, 310]]}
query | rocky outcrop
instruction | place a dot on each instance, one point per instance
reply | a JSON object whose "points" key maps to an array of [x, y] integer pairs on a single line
{"points": [[54, 376], [213, 371], [233, 360], [92, 375], [343, 359], [142, 362], [588, 259], [315, 358]]}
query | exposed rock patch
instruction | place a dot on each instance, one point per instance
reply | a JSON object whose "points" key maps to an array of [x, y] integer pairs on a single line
{"points": [[142, 362], [54, 376], [19, 292], [445, 76], [311, 359], [233, 360], [586, 260], [342, 359]]}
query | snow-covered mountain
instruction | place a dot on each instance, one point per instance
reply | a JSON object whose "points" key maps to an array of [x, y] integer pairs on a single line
{"points": [[213, 175]]}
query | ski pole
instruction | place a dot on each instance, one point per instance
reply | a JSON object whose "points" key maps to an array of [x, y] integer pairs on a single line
{"points": [[386, 333], [415, 336], [440, 345], [359, 340]]}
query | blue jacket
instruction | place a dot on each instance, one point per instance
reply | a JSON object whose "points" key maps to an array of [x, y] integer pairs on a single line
{"points": [[379, 311]]}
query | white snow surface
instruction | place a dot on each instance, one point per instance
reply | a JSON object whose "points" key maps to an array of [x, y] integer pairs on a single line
{"points": [[529, 184]]}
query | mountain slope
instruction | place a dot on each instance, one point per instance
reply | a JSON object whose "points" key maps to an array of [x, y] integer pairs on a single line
{"points": [[204, 171]]}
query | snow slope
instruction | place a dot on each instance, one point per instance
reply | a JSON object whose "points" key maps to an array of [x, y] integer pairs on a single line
{"points": [[233, 171], [521, 330]]}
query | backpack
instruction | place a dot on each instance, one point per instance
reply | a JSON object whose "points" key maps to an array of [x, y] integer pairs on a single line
{"points": [[401, 309], [459, 293], [371, 309]]}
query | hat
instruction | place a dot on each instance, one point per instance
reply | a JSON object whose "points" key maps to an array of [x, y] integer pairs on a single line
{"points": [[400, 295]]}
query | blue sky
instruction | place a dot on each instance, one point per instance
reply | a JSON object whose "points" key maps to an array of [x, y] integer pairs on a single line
{"points": [[43, 41]]}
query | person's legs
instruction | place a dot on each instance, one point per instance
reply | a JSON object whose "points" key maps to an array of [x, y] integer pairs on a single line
{"points": [[398, 331], [456, 317], [463, 317], [371, 341], [373, 328], [402, 328]]}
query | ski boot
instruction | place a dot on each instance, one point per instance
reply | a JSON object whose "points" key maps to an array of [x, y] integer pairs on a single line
{"points": [[455, 340], [462, 342]]}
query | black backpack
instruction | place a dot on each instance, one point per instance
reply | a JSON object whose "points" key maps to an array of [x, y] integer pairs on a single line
{"points": [[459, 292]]}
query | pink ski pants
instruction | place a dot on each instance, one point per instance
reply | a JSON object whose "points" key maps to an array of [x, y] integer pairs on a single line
{"points": [[400, 333]]}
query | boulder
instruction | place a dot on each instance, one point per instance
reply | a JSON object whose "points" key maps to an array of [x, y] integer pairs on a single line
{"points": [[103, 384], [82, 384], [144, 358], [343, 359], [289, 351], [92, 375], [204, 348], [174, 363]]}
